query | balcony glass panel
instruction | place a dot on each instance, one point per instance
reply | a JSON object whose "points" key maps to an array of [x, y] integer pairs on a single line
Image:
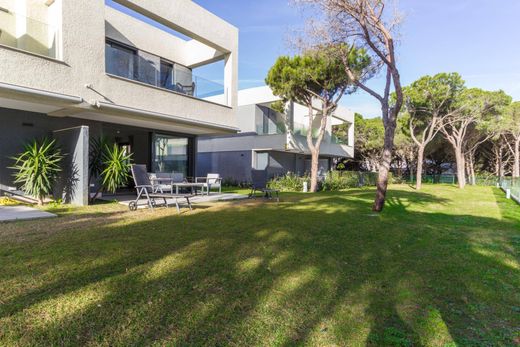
{"points": [[28, 34], [150, 69], [340, 133], [271, 122], [302, 129], [120, 61], [166, 80], [338, 140]]}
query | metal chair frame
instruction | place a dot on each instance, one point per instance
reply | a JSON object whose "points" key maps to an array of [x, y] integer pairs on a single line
{"points": [[152, 192]]}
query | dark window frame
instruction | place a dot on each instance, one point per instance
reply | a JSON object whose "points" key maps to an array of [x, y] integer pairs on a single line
{"points": [[128, 49]]}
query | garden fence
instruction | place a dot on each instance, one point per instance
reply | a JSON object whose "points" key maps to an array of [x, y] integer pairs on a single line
{"points": [[511, 185], [452, 179]]}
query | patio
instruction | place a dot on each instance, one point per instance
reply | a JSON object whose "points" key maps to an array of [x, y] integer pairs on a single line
{"points": [[125, 199], [16, 213]]}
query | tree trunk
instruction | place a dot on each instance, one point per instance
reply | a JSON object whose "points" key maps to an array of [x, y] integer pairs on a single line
{"points": [[471, 166], [516, 161], [314, 171], [501, 167], [96, 194], [461, 169], [384, 167], [420, 159], [498, 161]]}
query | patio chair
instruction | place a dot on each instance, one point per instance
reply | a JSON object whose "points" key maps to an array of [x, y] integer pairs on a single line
{"points": [[150, 191], [165, 180], [259, 178], [212, 180], [186, 89]]}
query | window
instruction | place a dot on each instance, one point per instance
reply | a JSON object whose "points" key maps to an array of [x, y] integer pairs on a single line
{"points": [[170, 154], [120, 60], [261, 160], [272, 122], [167, 77]]}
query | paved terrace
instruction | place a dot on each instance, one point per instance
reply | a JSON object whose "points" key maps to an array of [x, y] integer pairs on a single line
{"points": [[195, 200], [14, 213]]}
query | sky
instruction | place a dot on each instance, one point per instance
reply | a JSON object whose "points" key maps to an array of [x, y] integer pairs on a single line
{"points": [[480, 39]]}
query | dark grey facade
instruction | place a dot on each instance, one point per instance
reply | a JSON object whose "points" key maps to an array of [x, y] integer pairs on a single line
{"points": [[235, 166], [72, 134]]}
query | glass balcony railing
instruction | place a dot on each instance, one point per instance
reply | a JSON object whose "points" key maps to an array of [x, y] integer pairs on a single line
{"points": [[28, 34], [270, 129], [302, 129], [338, 140], [149, 69]]}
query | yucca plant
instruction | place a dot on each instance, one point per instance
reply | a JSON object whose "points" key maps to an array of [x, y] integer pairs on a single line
{"points": [[38, 167], [117, 168], [114, 168]]}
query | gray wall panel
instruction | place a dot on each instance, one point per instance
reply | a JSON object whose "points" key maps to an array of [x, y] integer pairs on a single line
{"points": [[72, 186]]}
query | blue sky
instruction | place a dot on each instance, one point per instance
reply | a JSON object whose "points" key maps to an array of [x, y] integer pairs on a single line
{"points": [[480, 39], [477, 38]]}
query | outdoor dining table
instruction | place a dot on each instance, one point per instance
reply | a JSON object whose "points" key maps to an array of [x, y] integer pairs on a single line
{"points": [[191, 185]]}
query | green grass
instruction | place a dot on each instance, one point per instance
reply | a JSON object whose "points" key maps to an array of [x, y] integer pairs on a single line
{"points": [[438, 267]]}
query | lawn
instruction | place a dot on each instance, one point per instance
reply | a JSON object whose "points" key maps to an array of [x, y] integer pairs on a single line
{"points": [[438, 267]]}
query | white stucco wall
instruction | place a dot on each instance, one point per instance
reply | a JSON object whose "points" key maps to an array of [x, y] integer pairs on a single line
{"points": [[264, 95], [82, 60]]}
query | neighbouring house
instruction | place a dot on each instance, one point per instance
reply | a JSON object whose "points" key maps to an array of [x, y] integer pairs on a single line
{"points": [[125, 69], [271, 141]]}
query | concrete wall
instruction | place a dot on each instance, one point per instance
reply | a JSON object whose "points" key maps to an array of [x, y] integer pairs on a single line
{"points": [[280, 163], [20, 127], [245, 141], [236, 166], [73, 185], [246, 122], [232, 165]]}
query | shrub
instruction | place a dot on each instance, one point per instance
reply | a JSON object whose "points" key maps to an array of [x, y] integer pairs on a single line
{"points": [[233, 183], [116, 170], [289, 182], [115, 166], [333, 181], [38, 167], [486, 179], [338, 180]]}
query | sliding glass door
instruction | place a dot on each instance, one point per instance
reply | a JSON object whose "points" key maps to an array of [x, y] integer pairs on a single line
{"points": [[171, 154]]}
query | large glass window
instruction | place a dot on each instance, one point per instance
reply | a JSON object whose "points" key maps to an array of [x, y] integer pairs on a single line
{"points": [[271, 122], [120, 60], [170, 154]]}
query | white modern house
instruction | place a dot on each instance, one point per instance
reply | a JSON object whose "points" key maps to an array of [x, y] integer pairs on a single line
{"points": [[269, 140], [77, 69]]}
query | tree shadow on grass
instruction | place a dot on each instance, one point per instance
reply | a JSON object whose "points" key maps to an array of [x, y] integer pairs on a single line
{"points": [[322, 270]]}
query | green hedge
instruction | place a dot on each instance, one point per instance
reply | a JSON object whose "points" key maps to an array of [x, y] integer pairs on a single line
{"points": [[333, 181], [289, 182]]}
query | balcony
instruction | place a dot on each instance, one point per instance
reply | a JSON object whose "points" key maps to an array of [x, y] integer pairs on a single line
{"points": [[28, 34], [144, 67], [301, 130], [270, 122]]}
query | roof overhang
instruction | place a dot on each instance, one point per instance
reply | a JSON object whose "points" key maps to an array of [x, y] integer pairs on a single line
{"points": [[196, 126]]}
